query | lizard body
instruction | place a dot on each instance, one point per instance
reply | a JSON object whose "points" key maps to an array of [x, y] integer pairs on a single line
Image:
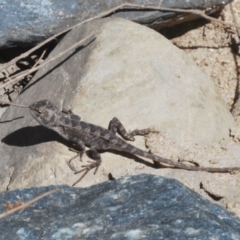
{"points": [[70, 127]]}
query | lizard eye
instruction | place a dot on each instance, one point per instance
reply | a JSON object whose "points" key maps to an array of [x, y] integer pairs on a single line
{"points": [[39, 111]]}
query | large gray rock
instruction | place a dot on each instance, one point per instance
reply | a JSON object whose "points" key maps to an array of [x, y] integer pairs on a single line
{"points": [[130, 72], [139, 207], [27, 22]]}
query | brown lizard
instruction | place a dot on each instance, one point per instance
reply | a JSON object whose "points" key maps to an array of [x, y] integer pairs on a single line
{"points": [[80, 133]]}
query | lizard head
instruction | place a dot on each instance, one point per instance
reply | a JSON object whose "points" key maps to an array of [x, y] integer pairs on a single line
{"points": [[44, 112]]}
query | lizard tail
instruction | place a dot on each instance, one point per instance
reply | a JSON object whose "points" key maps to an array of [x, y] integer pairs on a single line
{"points": [[170, 163]]}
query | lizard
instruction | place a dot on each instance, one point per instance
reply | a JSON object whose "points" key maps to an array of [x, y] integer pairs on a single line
{"points": [[70, 127]]}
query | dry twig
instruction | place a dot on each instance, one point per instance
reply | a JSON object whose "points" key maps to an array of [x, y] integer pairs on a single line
{"points": [[18, 77], [27, 72], [235, 20], [39, 59], [13, 104], [109, 12], [23, 206]]}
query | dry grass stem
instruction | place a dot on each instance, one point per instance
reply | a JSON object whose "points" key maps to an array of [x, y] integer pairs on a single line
{"points": [[23, 206], [235, 20], [40, 59], [13, 104], [27, 72], [109, 12]]}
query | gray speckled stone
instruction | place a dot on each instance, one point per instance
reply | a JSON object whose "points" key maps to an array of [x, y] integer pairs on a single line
{"points": [[27, 22], [138, 207]]}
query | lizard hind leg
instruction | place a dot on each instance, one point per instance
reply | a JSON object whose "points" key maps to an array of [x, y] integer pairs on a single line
{"points": [[116, 126], [92, 164]]}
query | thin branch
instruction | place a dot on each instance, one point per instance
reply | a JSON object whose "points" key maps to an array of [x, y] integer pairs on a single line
{"points": [[2, 215], [109, 12], [235, 20], [18, 77], [193, 11], [24, 55], [39, 59], [27, 72], [13, 104]]}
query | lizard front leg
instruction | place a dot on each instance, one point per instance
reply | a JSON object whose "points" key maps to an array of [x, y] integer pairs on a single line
{"points": [[92, 164], [81, 150], [116, 126]]}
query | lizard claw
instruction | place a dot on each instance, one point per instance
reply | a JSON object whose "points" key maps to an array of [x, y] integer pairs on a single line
{"points": [[71, 166], [69, 162], [86, 168], [79, 154], [84, 174]]}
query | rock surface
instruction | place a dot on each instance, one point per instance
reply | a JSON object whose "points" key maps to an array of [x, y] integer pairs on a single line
{"points": [[130, 72], [138, 207], [28, 22]]}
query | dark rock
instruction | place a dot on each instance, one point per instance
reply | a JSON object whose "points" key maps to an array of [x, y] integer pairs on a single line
{"points": [[29, 22], [138, 207]]}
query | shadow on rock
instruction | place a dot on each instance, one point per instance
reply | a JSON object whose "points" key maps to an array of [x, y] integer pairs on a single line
{"points": [[29, 136]]}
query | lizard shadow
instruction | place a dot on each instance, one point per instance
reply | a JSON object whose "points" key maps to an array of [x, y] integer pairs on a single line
{"points": [[29, 136]]}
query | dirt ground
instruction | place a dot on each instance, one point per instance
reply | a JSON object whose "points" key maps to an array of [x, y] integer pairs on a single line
{"points": [[215, 49]]}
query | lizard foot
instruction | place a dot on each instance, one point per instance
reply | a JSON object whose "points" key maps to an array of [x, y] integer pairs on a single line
{"points": [[86, 169], [142, 132], [116, 126]]}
